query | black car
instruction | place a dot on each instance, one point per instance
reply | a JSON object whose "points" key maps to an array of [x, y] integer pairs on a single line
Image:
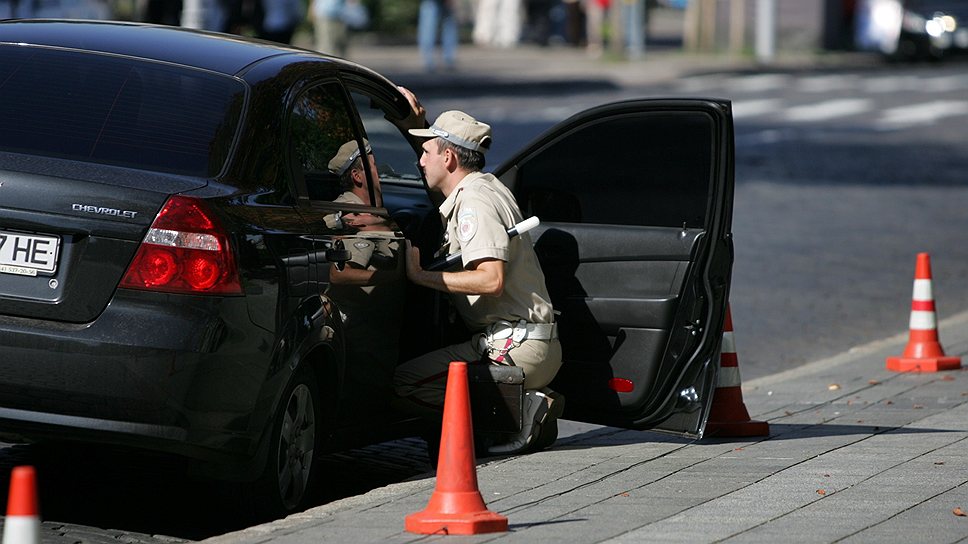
{"points": [[181, 271], [912, 29]]}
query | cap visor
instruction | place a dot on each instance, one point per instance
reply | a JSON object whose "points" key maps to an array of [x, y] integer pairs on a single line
{"points": [[422, 132]]}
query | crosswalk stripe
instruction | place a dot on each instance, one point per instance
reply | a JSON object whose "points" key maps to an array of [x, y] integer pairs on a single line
{"points": [[890, 84], [944, 84], [920, 114], [829, 109], [758, 83], [696, 84], [823, 84], [752, 108]]}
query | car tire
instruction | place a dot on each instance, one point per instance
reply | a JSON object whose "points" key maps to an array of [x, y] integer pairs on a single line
{"points": [[288, 482]]}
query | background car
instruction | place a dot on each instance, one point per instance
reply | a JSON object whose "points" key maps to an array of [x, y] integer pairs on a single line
{"points": [[182, 272], [912, 29]]}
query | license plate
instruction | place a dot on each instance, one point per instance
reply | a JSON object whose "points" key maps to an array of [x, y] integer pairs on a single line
{"points": [[28, 254]]}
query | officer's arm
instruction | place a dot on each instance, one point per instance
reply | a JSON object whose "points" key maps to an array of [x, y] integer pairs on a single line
{"points": [[481, 277]]}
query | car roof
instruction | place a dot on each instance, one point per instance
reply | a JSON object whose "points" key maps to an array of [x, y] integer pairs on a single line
{"points": [[223, 53]]}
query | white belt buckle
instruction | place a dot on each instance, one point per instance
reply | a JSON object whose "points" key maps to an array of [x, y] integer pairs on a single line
{"points": [[520, 332], [499, 330]]}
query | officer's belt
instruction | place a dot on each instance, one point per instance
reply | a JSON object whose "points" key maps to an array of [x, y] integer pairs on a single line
{"points": [[520, 331]]}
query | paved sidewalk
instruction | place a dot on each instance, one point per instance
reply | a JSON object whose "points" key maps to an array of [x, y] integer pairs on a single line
{"points": [[855, 454], [481, 69]]}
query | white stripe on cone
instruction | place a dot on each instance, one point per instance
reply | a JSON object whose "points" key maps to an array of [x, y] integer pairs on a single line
{"points": [[729, 343], [922, 290], [923, 321], [728, 377], [21, 530]]}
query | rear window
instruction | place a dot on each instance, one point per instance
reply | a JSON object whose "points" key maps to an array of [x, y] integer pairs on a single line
{"points": [[111, 110]]}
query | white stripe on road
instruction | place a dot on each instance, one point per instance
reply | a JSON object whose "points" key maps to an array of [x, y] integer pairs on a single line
{"points": [[752, 108], [829, 109], [758, 83], [945, 84], [700, 83], [922, 114], [823, 84], [891, 84]]}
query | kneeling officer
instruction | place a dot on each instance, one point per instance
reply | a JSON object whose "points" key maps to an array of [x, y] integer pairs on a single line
{"points": [[500, 291]]}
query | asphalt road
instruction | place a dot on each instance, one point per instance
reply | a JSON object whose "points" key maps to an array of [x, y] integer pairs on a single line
{"points": [[842, 177]]}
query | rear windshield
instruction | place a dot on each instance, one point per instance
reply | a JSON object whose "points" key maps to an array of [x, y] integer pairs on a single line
{"points": [[111, 110]]}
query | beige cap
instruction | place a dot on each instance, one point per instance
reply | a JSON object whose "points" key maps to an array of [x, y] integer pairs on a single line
{"points": [[345, 155], [458, 128]]}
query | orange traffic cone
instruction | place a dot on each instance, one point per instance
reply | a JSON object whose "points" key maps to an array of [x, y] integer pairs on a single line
{"points": [[923, 352], [728, 416], [22, 525], [456, 506]]}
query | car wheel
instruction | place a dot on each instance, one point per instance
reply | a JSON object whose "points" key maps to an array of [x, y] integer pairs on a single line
{"points": [[287, 484]]}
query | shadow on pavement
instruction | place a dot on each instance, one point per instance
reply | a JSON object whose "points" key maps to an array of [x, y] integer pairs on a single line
{"points": [[609, 436]]}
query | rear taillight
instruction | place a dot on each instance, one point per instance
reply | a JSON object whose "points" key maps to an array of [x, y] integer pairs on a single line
{"points": [[185, 251]]}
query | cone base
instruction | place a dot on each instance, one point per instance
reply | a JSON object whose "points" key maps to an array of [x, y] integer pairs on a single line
{"points": [[737, 428], [923, 364], [464, 523], [729, 416]]}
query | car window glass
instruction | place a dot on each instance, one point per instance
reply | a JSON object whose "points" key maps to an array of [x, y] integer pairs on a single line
{"points": [[647, 169], [320, 125], [119, 111], [395, 158]]}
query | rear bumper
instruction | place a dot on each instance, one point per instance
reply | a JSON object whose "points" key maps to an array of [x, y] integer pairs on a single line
{"points": [[185, 375]]}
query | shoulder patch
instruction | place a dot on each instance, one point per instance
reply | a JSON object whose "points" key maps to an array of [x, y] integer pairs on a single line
{"points": [[361, 245], [466, 224]]}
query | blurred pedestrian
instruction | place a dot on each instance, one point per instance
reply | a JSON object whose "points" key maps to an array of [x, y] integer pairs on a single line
{"points": [[329, 28], [280, 19], [497, 23], [163, 12], [570, 22], [12, 9], [437, 17], [538, 23], [243, 16], [594, 26]]}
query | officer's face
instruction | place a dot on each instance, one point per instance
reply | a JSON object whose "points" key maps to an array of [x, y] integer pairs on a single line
{"points": [[432, 162], [373, 170]]}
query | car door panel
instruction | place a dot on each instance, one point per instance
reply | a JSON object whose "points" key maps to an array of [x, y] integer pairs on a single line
{"points": [[617, 302], [630, 284], [635, 200]]}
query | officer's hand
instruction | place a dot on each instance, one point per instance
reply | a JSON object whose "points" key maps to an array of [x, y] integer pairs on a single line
{"points": [[418, 115], [413, 262]]}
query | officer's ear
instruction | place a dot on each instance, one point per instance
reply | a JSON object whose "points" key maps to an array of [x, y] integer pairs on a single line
{"points": [[358, 177], [451, 162]]}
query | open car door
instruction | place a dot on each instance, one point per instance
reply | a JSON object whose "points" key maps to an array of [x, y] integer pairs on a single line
{"points": [[635, 202]]}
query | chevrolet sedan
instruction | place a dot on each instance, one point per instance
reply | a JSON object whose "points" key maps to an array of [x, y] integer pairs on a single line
{"points": [[183, 271]]}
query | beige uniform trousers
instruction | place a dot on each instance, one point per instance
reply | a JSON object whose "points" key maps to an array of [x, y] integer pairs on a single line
{"points": [[421, 382]]}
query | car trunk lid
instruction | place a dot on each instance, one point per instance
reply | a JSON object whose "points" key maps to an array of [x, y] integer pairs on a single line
{"points": [[65, 242]]}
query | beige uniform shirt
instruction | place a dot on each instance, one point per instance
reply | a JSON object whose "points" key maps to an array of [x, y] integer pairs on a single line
{"points": [[332, 220], [478, 214]]}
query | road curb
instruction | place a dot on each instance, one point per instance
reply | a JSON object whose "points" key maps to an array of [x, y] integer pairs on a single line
{"points": [[852, 355]]}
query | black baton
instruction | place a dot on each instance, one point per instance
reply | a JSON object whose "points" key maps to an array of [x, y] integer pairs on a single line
{"points": [[446, 262]]}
